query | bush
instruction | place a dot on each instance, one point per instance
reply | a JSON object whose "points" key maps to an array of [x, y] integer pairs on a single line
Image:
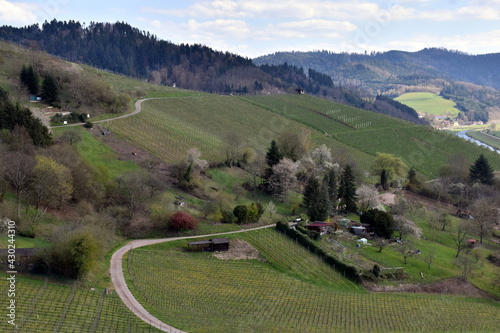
{"points": [[376, 270], [182, 221], [88, 124]]}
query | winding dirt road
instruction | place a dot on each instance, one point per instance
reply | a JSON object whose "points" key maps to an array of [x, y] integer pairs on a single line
{"points": [[121, 288], [136, 111]]}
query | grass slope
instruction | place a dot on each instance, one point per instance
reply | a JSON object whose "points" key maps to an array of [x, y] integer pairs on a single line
{"points": [[424, 102], [289, 292]]}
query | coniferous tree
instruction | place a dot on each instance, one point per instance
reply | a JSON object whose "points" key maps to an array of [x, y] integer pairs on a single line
{"points": [[383, 180], [29, 78], [310, 194], [273, 157], [347, 191], [50, 92], [481, 171], [332, 187]]}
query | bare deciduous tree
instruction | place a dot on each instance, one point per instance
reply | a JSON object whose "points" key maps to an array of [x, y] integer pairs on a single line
{"points": [[459, 236], [485, 215], [18, 173], [284, 178]]}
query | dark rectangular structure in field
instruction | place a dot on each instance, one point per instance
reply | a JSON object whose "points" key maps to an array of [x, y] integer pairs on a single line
{"points": [[212, 245]]}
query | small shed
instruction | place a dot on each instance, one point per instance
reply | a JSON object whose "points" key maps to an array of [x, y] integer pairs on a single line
{"points": [[211, 245], [220, 244], [344, 222], [300, 91], [321, 227], [471, 243], [363, 241]]}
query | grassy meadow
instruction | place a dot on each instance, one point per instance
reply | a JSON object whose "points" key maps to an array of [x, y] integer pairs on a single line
{"points": [[429, 103], [294, 292]]}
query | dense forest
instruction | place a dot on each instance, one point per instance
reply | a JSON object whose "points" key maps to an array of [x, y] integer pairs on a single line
{"points": [[469, 80], [121, 48]]}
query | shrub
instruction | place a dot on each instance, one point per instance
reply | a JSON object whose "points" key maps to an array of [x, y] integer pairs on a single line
{"points": [[88, 124], [376, 270], [182, 221]]}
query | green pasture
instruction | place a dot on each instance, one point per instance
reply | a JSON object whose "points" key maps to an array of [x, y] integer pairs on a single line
{"points": [[43, 306], [424, 102], [287, 290]]}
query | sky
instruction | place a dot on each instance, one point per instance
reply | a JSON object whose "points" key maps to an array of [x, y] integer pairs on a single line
{"points": [[260, 27]]}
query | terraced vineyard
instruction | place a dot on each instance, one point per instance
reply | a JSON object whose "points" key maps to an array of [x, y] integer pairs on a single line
{"points": [[419, 146], [289, 292], [169, 127], [48, 307]]}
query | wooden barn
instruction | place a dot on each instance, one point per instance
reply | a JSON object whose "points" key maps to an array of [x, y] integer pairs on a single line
{"points": [[211, 245]]}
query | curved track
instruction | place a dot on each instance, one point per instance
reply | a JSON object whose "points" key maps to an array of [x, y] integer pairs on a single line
{"points": [[121, 288]]}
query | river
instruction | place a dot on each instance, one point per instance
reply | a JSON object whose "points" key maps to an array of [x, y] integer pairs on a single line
{"points": [[463, 135]]}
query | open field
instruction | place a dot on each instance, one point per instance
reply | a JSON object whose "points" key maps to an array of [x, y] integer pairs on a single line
{"points": [[48, 307], [200, 293], [424, 102]]}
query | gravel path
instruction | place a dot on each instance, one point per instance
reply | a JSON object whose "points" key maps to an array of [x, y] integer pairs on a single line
{"points": [[121, 288], [136, 111]]}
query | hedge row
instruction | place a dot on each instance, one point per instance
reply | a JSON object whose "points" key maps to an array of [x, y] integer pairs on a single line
{"points": [[349, 271], [310, 233]]}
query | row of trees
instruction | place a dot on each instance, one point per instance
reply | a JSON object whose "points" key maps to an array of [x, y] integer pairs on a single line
{"points": [[49, 91]]}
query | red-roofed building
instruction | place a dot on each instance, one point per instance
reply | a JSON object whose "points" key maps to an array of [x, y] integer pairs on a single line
{"points": [[321, 227]]}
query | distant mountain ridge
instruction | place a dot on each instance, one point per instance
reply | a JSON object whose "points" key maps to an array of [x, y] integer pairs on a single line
{"points": [[469, 80], [121, 48], [397, 66]]}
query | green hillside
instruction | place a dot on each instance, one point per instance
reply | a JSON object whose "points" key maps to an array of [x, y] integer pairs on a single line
{"points": [[294, 292], [169, 127], [429, 103]]}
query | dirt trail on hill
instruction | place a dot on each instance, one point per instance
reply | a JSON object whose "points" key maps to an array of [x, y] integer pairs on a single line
{"points": [[121, 288], [136, 111]]}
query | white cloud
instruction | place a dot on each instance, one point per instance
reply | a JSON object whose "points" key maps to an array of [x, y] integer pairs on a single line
{"points": [[272, 9], [482, 42], [17, 13]]}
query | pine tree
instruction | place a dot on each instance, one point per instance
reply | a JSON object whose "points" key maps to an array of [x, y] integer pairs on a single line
{"points": [[384, 180], [29, 78], [481, 171], [310, 194], [347, 191], [273, 157], [50, 92], [332, 187]]}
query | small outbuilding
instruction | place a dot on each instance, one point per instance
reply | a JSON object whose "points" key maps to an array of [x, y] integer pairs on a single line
{"points": [[299, 91], [321, 227], [211, 245], [471, 243]]}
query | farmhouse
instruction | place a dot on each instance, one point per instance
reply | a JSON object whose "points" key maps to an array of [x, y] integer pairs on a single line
{"points": [[321, 227], [211, 245]]}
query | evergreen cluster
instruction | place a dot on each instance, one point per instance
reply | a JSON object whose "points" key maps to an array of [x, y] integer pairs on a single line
{"points": [[14, 115], [29, 78]]}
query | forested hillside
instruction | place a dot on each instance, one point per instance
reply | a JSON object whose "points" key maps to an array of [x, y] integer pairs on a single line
{"points": [[121, 48], [470, 80]]}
